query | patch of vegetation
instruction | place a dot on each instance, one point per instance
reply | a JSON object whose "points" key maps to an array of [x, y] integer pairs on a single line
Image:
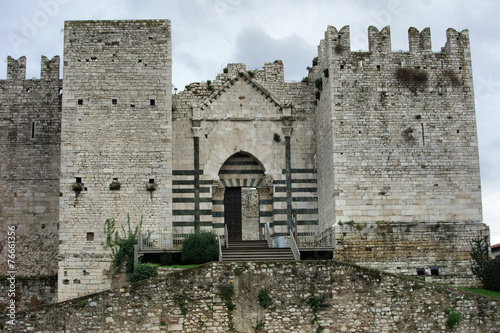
{"points": [[251, 74], [200, 248], [237, 271], [315, 61], [453, 318], [277, 137], [411, 75], [260, 326], [491, 275], [318, 95], [479, 254], [122, 246], [143, 271], [81, 303], [225, 70], [480, 291], [315, 302], [264, 298], [326, 72], [318, 83], [227, 293], [180, 266], [305, 79]]}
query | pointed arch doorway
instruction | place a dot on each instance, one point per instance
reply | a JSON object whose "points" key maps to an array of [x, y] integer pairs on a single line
{"points": [[245, 194]]}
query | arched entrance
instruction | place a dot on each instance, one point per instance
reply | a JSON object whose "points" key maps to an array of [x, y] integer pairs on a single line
{"points": [[246, 197]]}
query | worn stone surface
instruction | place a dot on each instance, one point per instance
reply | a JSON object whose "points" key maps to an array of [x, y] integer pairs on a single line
{"points": [[30, 292], [350, 299]]}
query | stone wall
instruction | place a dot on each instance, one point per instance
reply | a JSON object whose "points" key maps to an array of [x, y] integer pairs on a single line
{"points": [[29, 292], [403, 247], [115, 141], [30, 126], [219, 297]]}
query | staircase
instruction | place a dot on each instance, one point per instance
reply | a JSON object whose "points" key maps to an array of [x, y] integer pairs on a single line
{"points": [[255, 250]]}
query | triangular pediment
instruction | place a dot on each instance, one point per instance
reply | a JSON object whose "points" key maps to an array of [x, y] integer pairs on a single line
{"points": [[241, 97]]}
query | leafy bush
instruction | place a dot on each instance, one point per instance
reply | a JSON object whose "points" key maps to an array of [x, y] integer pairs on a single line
{"points": [[491, 275], [453, 317], [143, 272], [200, 248]]}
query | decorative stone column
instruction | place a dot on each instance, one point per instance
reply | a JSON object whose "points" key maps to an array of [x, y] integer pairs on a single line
{"points": [[196, 168], [287, 132]]}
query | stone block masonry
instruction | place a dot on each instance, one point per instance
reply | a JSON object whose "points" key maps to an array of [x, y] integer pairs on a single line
{"points": [[396, 131], [116, 129], [30, 136], [303, 297]]}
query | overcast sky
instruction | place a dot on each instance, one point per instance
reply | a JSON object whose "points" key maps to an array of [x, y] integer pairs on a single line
{"points": [[207, 35]]}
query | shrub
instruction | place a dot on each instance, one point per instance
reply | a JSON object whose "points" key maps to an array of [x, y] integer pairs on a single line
{"points": [[200, 248], [143, 272], [480, 255], [453, 317], [491, 275]]}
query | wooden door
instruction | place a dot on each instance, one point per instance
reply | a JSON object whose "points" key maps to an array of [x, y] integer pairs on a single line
{"points": [[232, 212]]}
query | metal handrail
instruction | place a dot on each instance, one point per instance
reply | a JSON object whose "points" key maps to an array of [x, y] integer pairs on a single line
{"points": [[267, 235], [220, 248], [226, 239], [293, 246]]}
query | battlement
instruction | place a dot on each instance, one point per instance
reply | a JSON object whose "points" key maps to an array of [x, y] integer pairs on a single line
{"points": [[16, 69], [380, 41]]}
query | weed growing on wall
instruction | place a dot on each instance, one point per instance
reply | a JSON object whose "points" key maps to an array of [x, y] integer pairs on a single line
{"points": [[453, 318], [264, 298], [122, 246]]}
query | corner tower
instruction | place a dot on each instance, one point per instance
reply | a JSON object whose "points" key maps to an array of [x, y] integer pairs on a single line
{"points": [[115, 140]]}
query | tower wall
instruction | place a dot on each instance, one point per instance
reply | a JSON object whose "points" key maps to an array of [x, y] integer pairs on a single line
{"points": [[30, 112], [116, 129], [403, 133]]}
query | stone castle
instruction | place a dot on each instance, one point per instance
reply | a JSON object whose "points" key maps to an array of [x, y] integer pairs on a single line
{"points": [[376, 151]]}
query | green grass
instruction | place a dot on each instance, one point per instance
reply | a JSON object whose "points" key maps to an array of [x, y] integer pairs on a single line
{"points": [[179, 266], [484, 292]]}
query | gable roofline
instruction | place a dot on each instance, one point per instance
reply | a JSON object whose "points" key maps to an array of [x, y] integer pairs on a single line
{"points": [[245, 76]]}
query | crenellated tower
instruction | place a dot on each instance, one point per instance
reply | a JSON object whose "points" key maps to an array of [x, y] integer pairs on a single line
{"points": [[396, 132], [30, 129]]}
